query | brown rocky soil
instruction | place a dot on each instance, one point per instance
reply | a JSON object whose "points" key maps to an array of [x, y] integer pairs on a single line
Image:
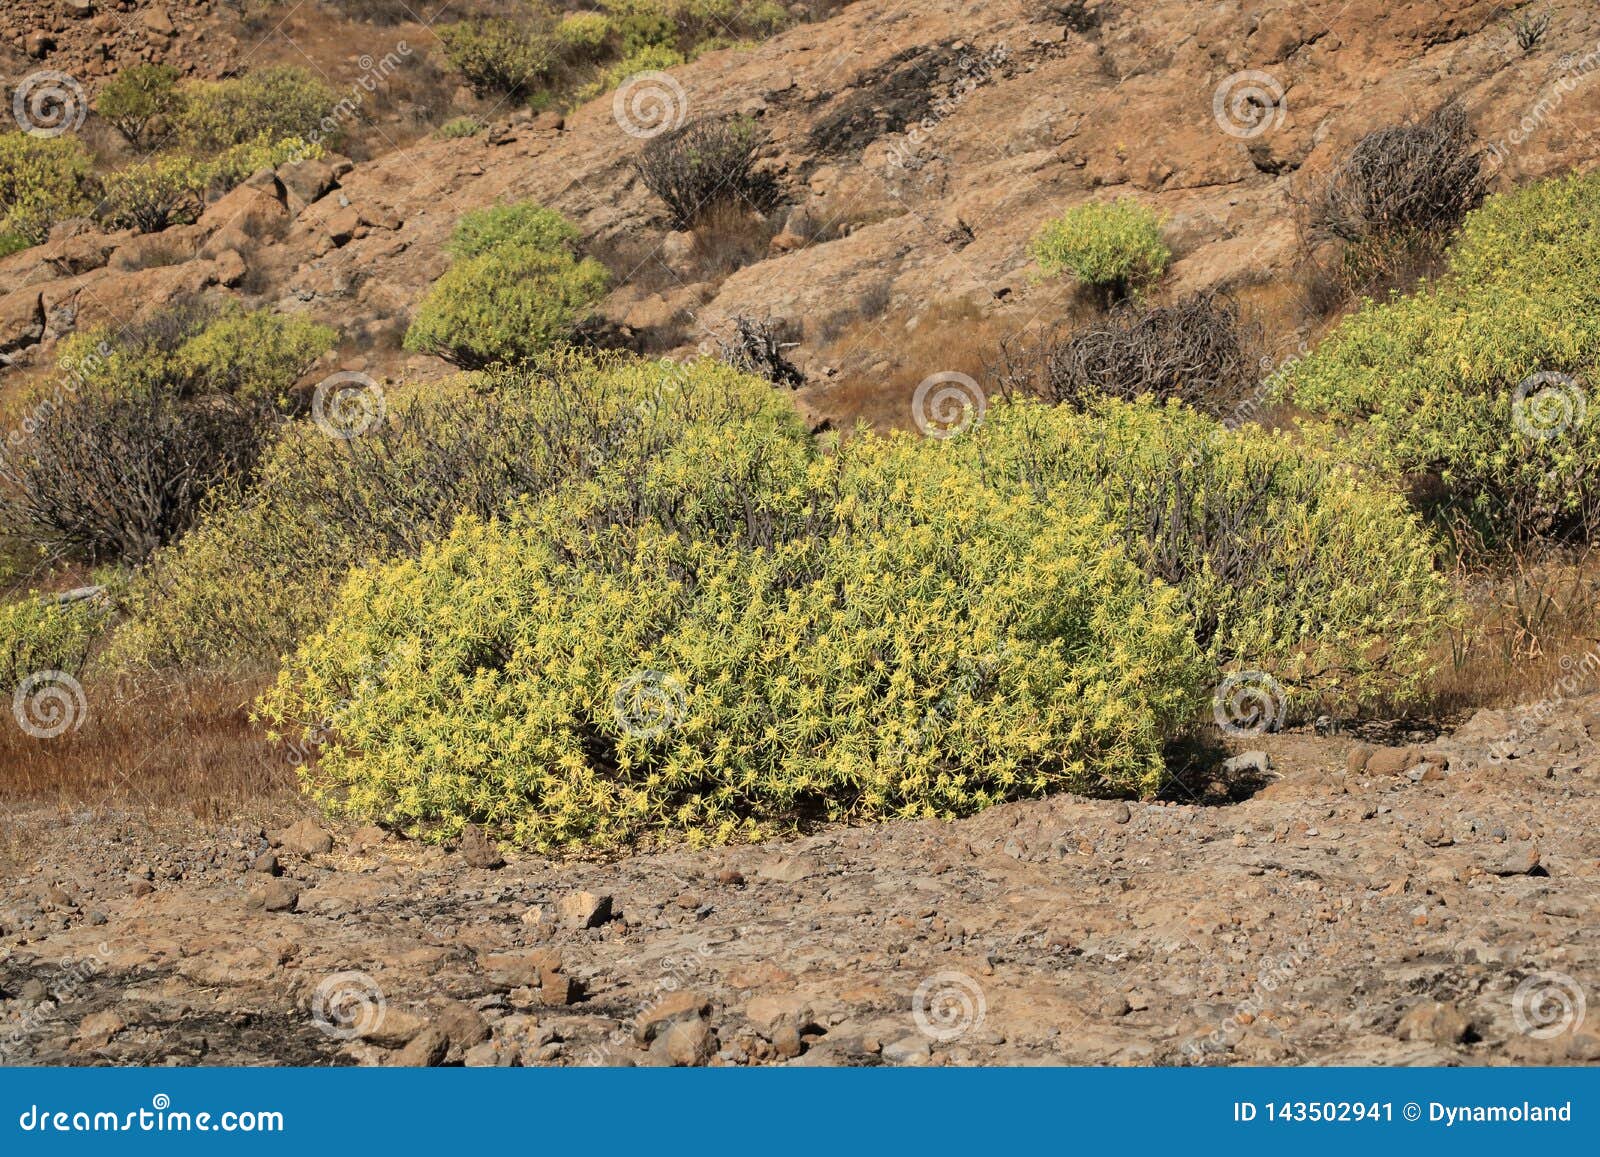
{"points": [[1418, 904]]}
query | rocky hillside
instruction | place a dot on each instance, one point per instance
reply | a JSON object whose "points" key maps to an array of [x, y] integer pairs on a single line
{"points": [[918, 146]]}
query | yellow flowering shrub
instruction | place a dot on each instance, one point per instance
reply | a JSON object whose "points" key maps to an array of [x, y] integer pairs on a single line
{"points": [[38, 635], [1483, 381], [855, 635], [42, 180], [1287, 561]]}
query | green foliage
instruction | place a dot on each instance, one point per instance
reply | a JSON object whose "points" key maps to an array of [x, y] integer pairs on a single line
{"points": [[38, 634], [1427, 385], [1286, 561], [260, 571], [458, 127], [783, 636], [137, 99], [517, 291], [272, 103], [642, 24], [256, 356], [521, 223], [236, 164], [500, 57], [584, 35], [13, 243], [1115, 247], [651, 58], [42, 181], [150, 195]]}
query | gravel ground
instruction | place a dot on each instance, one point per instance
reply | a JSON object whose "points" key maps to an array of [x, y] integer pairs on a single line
{"points": [[1423, 904]]}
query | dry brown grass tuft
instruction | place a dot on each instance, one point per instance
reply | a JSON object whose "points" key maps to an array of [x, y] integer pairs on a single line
{"points": [[882, 354], [188, 747], [1531, 626]]}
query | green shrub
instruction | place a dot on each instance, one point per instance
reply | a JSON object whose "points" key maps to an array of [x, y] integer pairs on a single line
{"points": [[651, 58], [458, 127], [584, 35], [1114, 247], [138, 99], [500, 57], [260, 571], [236, 164], [1286, 561], [521, 223], [642, 24], [199, 350], [1445, 385], [13, 243], [505, 305], [272, 103], [255, 356], [42, 181], [858, 636], [150, 195], [38, 634]]}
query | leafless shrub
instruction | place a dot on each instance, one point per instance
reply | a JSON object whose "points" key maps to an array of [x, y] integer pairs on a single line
{"points": [[703, 164], [111, 474], [1530, 28], [1384, 216], [1079, 15], [756, 346], [1195, 350], [1421, 176]]}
